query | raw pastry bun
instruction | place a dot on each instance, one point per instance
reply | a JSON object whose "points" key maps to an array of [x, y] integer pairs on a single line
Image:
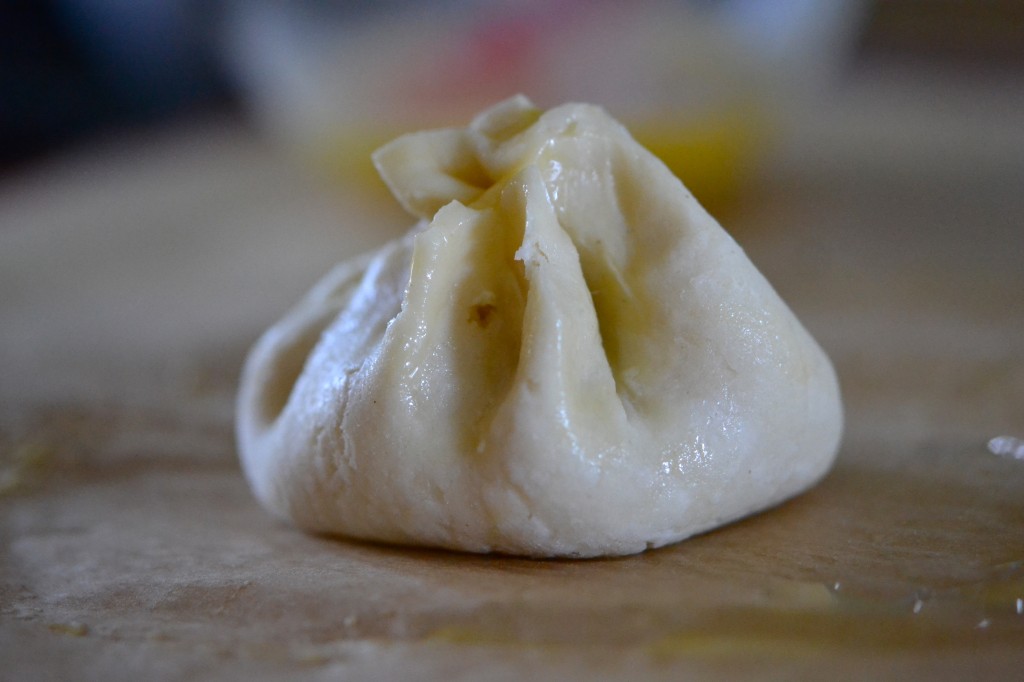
{"points": [[566, 357]]}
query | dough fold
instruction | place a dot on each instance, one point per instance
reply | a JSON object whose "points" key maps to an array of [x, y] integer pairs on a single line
{"points": [[567, 356]]}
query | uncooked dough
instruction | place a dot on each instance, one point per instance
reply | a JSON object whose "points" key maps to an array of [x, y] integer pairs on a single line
{"points": [[567, 356]]}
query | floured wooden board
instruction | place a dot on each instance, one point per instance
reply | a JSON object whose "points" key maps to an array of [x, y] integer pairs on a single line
{"points": [[134, 277]]}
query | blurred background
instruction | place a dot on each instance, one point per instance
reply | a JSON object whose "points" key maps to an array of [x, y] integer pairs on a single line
{"points": [[174, 173], [708, 81]]}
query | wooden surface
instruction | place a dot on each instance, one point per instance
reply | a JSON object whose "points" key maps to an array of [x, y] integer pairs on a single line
{"points": [[134, 275]]}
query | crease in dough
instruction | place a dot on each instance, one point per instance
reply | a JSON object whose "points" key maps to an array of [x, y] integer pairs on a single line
{"points": [[567, 356]]}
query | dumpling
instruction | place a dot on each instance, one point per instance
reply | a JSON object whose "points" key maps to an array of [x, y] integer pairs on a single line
{"points": [[567, 356]]}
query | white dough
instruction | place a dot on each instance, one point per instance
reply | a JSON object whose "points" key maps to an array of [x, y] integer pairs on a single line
{"points": [[567, 357]]}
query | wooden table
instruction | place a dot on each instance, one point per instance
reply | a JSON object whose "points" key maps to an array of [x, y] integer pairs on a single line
{"points": [[134, 275]]}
